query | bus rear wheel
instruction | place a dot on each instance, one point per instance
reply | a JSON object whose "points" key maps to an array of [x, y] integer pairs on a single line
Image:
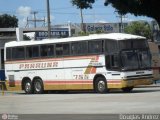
{"points": [[38, 86], [28, 87], [100, 85], [127, 89]]}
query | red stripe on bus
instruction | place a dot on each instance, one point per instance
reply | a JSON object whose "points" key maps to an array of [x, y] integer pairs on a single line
{"points": [[50, 59]]}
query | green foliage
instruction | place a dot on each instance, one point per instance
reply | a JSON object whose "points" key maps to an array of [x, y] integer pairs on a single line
{"points": [[148, 8], [26, 38], [8, 21], [83, 4], [139, 28]]}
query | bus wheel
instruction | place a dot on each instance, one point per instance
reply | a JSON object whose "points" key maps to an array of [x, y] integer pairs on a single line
{"points": [[100, 85], [28, 87], [38, 86], [127, 89]]}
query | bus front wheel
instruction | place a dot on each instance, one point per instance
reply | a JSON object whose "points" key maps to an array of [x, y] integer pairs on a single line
{"points": [[100, 85], [38, 86], [28, 87]]}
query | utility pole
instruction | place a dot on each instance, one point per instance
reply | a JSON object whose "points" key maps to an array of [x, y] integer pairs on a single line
{"points": [[48, 19], [34, 13], [35, 20], [121, 16]]}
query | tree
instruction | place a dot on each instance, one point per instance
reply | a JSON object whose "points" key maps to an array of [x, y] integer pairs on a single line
{"points": [[26, 38], [8, 21], [82, 4], [139, 28], [148, 8]]}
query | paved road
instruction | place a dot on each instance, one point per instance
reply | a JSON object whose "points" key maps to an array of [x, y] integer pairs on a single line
{"points": [[141, 100]]}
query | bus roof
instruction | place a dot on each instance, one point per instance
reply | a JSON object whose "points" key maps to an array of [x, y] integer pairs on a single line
{"points": [[111, 36]]}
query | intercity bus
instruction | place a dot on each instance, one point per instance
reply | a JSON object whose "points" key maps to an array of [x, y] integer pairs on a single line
{"points": [[96, 62]]}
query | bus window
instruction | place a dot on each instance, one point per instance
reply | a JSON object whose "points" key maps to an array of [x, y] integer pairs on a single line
{"points": [[66, 50], [50, 50], [32, 52], [47, 50], [59, 49], [35, 51], [8, 54], [95, 46], [133, 44], [79, 48], [111, 46], [44, 50], [28, 52], [125, 44], [18, 53], [112, 61], [140, 43]]}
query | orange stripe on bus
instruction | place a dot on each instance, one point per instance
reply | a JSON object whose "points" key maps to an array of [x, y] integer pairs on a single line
{"points": [[18, 82]]}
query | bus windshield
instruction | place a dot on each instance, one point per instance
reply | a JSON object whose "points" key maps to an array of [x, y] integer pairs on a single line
{"points": [[135, 59], [129, 60], [134, 54]]}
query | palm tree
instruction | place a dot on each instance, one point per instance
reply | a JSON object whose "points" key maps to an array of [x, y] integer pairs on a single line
{"points": [[82, 4]]}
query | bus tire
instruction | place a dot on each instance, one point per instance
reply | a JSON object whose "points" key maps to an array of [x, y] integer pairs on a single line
{"points": [[127, 89], [28, 87], [38, 86], [100, 85]]}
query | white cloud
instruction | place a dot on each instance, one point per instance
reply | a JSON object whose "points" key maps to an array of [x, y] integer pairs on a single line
{"points": [[24, 11], [101, 21]]}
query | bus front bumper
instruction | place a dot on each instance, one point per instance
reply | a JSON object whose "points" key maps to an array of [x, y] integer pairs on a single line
{"points": [[130, 83], [137, 82]]}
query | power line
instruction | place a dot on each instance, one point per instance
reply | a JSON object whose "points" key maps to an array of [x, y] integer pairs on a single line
{"points": [[35, 20]]}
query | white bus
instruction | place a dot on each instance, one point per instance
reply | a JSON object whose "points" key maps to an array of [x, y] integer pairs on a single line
{"points": [[99, 62]]}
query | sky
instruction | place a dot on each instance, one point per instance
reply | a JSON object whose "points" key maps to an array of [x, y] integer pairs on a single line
{"points": [[62, 12]]}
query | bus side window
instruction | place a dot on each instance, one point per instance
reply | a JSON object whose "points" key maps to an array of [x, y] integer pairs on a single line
{"points": [[29, 52], [47, 50], [43, 50], [35, 50], [111, 46], [112, 61], [108, 62], [8, 54], [18, 53], [59, 49], [95, 46], [79, 48], [50, 50], [66, 48]]}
